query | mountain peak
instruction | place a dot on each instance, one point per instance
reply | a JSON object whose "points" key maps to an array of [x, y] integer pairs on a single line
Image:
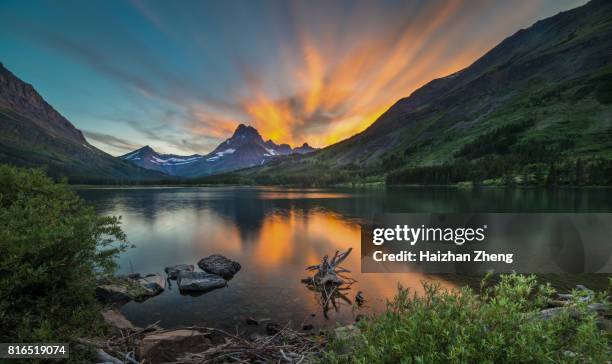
{"points": [[305, 148], [246, 131]]}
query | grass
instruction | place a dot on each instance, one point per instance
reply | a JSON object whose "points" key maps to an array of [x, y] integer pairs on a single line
{"points": [[497, 323]]}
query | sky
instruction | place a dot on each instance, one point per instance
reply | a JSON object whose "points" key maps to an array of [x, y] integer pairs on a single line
{"points": [[181, 75]]}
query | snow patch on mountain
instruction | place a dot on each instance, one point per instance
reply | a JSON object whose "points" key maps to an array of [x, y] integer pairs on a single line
{"points": [[227, 151], [131, 155], [247, 149], [174, 160]]}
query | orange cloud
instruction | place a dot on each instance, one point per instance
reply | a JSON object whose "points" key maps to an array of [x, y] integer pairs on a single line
{"points": [[335, 81], [340, 86]]}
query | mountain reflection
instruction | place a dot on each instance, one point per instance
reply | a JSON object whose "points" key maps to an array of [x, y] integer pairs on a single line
{"points": [[275, 233]]}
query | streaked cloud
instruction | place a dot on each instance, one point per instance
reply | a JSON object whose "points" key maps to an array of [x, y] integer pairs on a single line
{"points": [[182, 77], [119, 146]]}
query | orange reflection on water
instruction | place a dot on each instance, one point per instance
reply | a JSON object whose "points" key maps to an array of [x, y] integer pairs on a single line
{"points": [[301, 238], [275, 241], [297, 239]]}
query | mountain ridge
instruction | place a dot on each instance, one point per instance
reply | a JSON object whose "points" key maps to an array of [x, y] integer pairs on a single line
{"points": [[555, 73], [34, 134], [245, 148]]}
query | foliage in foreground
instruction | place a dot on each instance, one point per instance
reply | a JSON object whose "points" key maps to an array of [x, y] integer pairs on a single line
{"points": [[498, 325], [54, 247]]}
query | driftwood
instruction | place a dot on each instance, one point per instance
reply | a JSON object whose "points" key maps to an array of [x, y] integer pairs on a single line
{"points": [[330, 282], [286, 346], [330, 271]]}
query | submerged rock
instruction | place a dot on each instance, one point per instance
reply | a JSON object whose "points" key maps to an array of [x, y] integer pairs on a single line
{"points": [[219, 265], [174, 270], [359, 299], [199, 281]]}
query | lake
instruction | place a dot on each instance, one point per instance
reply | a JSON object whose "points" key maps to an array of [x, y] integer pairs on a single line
{"points": [[275, 232]]}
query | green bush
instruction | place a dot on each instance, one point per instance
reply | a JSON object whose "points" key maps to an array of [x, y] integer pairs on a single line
{"points": [[53, 248], [500, 324]]}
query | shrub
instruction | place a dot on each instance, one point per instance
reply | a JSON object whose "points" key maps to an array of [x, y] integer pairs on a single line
{"points": [[499, 325], [53, 248]]}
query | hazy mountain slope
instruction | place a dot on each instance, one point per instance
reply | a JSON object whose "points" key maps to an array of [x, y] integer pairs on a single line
{"points": [[245, 148], [553, 80], [34, 134], [170, 164]]}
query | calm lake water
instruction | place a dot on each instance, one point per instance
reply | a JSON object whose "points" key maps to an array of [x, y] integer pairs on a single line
{"points": [[274, 233]]}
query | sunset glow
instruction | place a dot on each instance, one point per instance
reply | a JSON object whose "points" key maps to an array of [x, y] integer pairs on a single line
{"points": [[299, 71]]}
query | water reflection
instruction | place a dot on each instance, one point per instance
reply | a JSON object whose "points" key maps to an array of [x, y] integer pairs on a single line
{"points": [[275, 233]]}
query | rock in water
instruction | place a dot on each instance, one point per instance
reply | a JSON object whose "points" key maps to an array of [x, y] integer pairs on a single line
{"points": [[199, 281], [152, 285], [219, 265], [124, 289], [174, 270]]}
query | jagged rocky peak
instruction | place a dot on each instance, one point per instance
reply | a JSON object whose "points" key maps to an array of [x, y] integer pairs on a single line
{"points": [[279, 148], [139, 153], [146, 149], [246, 148], [305, 148], [246, 132]]}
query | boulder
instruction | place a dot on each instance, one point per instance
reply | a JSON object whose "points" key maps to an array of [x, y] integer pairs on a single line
{"points": [[152, 283], [174, 270], [113, 293], [165, 346], [124, 289], [116, 319], [219, 265], [199, 281]]}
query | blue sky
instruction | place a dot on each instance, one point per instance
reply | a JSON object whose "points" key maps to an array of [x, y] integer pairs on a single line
{"points": [[181, 75]]}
